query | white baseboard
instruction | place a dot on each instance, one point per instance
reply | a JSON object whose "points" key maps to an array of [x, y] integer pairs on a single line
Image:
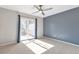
{"points": [[63, 42], [7, 43]]}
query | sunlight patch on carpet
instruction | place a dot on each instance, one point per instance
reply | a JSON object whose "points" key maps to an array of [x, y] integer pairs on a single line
{"points": [[38, 46]]}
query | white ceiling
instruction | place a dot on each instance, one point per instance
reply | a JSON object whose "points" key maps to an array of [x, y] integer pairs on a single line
{"points": [[29, 9]]}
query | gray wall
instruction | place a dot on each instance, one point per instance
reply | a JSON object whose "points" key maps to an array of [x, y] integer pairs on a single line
{"points": [[8, 26], [63, 26]]}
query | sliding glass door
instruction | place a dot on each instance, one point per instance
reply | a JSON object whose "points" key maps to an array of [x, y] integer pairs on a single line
{"points": [[27, 28]]}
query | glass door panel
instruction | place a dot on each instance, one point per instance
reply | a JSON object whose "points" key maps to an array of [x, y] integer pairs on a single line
{"points": [[27, 29]]}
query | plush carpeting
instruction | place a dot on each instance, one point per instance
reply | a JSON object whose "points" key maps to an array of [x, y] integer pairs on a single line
{"points": [[59, 48], [15, 49]]}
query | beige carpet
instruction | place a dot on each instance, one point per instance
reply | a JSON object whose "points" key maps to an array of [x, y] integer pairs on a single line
{"points": [[59, 48], [15, 49]]}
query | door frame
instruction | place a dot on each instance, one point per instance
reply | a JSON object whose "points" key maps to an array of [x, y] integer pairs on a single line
{"points": [[19, 25]]}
